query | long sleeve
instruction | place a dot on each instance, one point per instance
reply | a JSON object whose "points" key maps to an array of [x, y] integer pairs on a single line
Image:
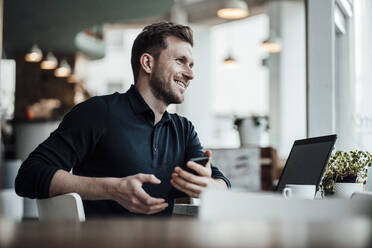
{"points": [[75, 137]]}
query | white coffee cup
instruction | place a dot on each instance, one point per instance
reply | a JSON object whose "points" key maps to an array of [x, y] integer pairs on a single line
{"points": [[299, 191]]}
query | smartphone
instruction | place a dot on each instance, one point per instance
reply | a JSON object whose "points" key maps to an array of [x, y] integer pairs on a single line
{"points": [[199, 160]]}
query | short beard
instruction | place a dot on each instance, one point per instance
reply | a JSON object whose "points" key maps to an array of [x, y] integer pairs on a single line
{"points": [[162, 90]]}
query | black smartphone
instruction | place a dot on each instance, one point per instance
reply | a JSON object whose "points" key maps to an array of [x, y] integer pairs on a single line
{"points": [[199, 160]]}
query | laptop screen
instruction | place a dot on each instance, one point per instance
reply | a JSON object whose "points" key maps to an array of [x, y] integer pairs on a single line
{"points": [[306, 161]]}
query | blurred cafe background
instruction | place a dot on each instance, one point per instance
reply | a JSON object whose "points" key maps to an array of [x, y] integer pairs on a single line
{"points": [[276, 71]]}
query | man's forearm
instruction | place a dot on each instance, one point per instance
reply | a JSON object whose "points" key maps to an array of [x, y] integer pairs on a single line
{"points": [[88, 188], [127, 191]]}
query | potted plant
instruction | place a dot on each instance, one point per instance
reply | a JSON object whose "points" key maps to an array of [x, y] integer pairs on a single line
{"points": [[250, 128], [346, 173]]}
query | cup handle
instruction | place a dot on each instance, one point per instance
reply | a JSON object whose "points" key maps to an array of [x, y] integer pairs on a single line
{"points": [[287, 192]]}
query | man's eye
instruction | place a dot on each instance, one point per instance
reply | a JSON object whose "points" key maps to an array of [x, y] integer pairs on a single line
{"points": [[179, 60]]}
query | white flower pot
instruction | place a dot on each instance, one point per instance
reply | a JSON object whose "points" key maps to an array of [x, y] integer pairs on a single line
{"points": [[249, 133], [345, 190]]}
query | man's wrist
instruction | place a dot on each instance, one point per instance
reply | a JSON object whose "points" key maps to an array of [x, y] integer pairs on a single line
{"points": [[111, 185], [220, 183]]}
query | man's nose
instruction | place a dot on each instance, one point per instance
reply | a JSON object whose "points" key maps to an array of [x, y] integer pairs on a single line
{"points": [[189, 73]]}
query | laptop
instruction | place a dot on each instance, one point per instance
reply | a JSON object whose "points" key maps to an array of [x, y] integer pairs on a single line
{"points": [[306, 161]]}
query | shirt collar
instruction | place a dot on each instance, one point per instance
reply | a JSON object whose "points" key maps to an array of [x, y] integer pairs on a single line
{"points": [[139, 105], [136, 101]]}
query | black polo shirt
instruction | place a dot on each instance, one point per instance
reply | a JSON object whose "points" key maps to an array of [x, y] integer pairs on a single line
{"points": [[113, 136]]}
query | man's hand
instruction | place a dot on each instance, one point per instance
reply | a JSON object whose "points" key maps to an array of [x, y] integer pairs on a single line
{"points": [[130, 194], [194, 185]]}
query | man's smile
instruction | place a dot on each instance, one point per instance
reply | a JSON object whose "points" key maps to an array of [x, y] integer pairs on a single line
{"points": [[181, 83]]}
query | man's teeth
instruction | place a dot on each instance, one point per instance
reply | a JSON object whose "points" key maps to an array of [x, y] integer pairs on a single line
{"points": [[180, 84]]}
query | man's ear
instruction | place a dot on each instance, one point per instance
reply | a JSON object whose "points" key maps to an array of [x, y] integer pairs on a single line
{"points": [[147, 62]]}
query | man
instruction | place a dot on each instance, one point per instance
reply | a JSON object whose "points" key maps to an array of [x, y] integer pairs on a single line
{"points": [[125, 150]]}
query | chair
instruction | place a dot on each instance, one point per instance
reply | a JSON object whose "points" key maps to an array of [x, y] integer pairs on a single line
{"points": [[63, 207], [11, 205], [269, 167], [227, 205]]}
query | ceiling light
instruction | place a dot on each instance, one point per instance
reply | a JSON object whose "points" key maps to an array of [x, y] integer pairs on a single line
{"points": [[272, 45], [233, 9], [35, 55], [229, 60], [64, 70], [49, 63]]}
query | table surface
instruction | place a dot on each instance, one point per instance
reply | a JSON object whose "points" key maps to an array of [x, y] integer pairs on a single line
{"points": [[186, 232]]}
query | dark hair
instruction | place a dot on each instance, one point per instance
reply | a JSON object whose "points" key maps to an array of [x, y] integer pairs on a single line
{"points": [[152, 40]]}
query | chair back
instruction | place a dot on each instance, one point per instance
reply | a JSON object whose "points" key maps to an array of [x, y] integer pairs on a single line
{"points": [[219, 205], [62, 207], [11, 205]]}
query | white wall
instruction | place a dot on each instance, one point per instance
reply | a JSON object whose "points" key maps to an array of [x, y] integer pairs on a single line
{"points": [[321, 68], [363, 53], [243, 89], [363, 32], [345, 82], [288, 76], [293, 75]]}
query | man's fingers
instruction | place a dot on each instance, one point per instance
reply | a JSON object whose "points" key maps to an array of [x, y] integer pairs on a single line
{"points": [[154, 211], [135, 210], [148, 178], [202, 171], [146, 198], [157, 208], [133, 197], [145, 209], [208, 153], [185, 184], [188, 192], [199, 180]]}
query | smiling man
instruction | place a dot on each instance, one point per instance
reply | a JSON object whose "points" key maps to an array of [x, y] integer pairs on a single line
{"points": [[125, 150]]}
